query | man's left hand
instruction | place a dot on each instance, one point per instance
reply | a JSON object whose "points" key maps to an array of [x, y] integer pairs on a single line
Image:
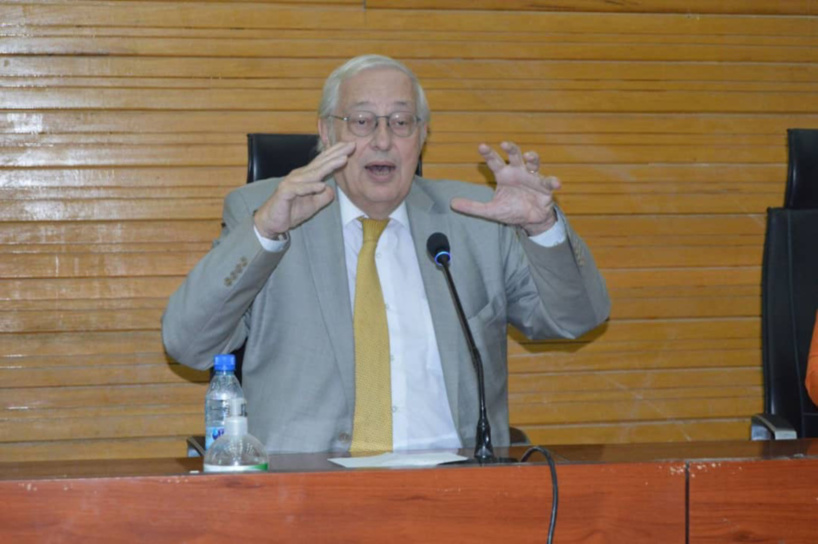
{"points": [[523, 197]]}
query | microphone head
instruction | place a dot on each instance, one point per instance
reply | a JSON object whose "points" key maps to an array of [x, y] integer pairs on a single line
{"points": [[438, 247]]}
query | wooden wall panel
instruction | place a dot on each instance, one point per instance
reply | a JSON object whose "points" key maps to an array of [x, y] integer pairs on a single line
{"points": [[122, 127]]}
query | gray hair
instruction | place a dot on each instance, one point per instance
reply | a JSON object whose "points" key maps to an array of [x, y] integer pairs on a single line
{"points": [[354, 66]]}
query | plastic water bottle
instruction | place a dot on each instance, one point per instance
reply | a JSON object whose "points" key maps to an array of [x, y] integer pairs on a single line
{"points": [[236, 450], [223, 386]]}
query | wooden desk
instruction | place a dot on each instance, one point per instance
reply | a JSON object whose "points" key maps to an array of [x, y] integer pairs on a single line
{"points": [[617, 494], [770, 501]]}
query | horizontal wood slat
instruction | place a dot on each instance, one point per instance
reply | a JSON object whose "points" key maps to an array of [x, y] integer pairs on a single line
{"points": [[375, 34], [13, 235], [647, 395], [79, 320], [137, 209], [297, 72], [83, 376], [438, 139], [559, 49], [586, 189], [443, 84], [651, 431], [602, 101], [105, 360], [272, 16], [649, 329], [219, 155], [718, 127], [99, 426], [79, 344], [44, 265], [743, 7], [101, 448], [122, 128], [642, 356], [590, 411], [177, 14], [634, 380], [671, 224], [13, 292]]}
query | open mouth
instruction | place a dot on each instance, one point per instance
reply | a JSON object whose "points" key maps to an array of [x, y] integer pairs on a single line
{"points": [[380, 169]]}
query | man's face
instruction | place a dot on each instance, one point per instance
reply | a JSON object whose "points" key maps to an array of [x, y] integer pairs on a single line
{"points": [[379, 173]]}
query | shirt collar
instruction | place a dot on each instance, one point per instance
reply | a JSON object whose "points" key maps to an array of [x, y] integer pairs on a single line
{"points": [[350, 212]]}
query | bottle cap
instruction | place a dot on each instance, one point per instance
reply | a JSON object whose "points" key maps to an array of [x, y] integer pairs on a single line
{"points": [[225, 362]]}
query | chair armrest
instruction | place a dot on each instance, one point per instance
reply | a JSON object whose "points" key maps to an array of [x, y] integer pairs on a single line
{"points": [[771, 427], [517, 437], [196, 446]]}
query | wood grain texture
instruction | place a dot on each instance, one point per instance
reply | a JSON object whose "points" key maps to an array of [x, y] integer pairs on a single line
{"points": [[745, 7], [608, 493], [122, 128], [638, 502], [723, 495]]}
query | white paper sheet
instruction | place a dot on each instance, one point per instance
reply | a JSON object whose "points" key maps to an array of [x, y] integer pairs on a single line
{"points": [[392, 460]]}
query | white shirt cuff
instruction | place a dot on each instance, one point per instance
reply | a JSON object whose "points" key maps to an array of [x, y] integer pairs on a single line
{"points": [[553, 236], [270, 245]]}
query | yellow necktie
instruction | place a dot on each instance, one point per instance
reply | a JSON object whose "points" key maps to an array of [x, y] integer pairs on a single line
{"points": [[372, 429]]}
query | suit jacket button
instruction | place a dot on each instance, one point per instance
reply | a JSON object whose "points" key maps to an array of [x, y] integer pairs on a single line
{"points": [[228, 282], [344, 437]]}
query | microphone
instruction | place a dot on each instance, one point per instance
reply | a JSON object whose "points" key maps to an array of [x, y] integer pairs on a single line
{"points": [[438, 247]]}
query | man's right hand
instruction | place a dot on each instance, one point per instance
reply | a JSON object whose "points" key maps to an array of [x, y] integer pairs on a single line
{"points": [[302, 193]]}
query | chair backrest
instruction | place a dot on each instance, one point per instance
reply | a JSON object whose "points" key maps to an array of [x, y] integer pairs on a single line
{"points": [[276, 155], [789, 301], [802, 173]]}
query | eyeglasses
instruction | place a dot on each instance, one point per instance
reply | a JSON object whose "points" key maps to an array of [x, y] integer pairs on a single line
{"points": [[364, 123]]}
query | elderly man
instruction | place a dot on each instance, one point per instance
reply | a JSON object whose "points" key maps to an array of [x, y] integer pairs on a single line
{"points": [[352, 339]]}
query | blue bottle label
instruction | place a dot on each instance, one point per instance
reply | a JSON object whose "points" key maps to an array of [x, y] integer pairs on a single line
{"points": [[212, 434]]}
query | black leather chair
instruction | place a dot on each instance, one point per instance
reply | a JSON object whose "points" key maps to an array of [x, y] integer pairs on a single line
{"points": [[276, 155], [802, 172], [789, 297]]}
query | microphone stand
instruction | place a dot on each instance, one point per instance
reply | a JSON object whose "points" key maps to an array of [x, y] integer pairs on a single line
{"points": [[483, 450]]}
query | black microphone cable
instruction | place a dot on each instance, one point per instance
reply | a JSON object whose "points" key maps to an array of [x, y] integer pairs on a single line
{"points": [[555, 498]]}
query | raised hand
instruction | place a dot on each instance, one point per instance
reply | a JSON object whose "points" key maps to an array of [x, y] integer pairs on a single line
{"points": [[302, 193], [522, 198]]}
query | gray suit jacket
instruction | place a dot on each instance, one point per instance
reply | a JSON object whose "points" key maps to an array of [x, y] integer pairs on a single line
{"points": [[293, 310]]}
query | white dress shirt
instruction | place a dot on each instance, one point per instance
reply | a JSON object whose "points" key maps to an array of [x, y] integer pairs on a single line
{"points": [[421, 416]]}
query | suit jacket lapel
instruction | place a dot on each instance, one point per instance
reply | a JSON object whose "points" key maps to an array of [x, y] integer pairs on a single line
{"points": [[324, 244], [425, 219]]}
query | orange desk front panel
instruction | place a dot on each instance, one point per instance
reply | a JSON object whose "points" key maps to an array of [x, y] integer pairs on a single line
{"points": [[161, 502], [668, 493]]}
